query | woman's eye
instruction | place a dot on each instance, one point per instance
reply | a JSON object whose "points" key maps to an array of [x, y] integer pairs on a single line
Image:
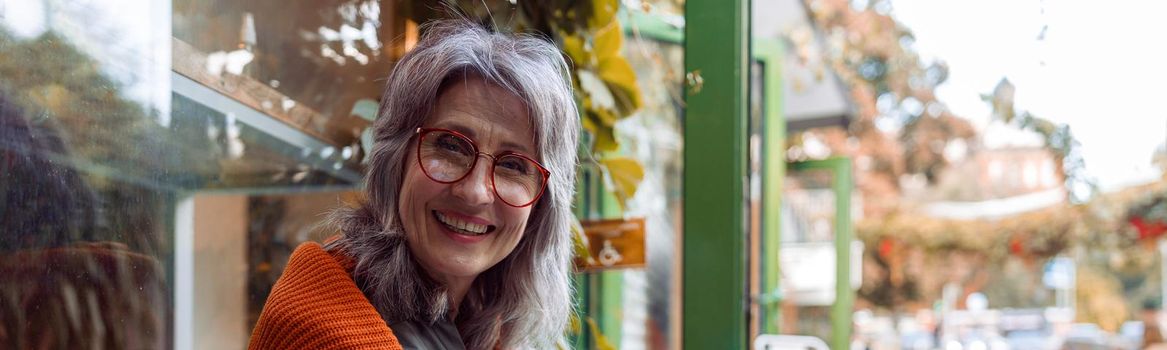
{"points": [[514, 165], [453, 144]]}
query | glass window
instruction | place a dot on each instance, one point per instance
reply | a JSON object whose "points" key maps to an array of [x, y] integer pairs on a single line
{"points": [[160, 160], [317, 65], [292, 90], [90, 165], [653, 136]]}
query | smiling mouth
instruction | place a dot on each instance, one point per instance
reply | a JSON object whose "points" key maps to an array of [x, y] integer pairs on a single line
{"points": [[462, 227]]}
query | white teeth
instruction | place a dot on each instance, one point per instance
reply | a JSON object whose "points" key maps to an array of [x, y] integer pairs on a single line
{"points": [[461, 225]]}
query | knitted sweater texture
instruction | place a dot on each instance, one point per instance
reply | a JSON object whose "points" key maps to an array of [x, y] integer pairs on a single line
{"points": [[316, 305]]}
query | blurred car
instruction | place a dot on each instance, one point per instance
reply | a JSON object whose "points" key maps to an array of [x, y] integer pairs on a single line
{"points": [[918, 340], [1032, 339], [1088, 336], [1131, 334]]}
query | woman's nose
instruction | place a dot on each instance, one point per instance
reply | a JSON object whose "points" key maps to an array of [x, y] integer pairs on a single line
{"points": [[475, 188]]}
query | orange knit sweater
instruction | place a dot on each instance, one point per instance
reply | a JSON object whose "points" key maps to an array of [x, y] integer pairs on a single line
{"points": [[316, 305]]}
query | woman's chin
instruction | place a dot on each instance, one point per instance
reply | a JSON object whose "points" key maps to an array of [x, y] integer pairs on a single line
{"points": [[453, 266]]}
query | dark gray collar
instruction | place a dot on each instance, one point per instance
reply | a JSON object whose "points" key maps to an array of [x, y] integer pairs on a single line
{"points": [[442, 335]]}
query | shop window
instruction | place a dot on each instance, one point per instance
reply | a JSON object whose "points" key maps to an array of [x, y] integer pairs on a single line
{"points": [[159, 160], [653, 136], [89, 168]]}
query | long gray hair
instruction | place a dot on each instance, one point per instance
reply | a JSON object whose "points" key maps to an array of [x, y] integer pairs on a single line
{"points": [[525, 299]]}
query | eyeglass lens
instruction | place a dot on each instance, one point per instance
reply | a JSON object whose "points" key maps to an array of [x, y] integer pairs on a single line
{"points": [[447, 157]]}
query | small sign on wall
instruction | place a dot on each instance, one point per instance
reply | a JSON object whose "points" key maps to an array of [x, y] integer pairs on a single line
{"points": [[612, 244]]}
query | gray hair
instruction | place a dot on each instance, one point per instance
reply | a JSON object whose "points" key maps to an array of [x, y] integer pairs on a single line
{"points": [[524, 300]]}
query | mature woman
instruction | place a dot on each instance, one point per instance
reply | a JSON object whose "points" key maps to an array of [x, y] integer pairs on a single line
{"points": [[463, 239]]}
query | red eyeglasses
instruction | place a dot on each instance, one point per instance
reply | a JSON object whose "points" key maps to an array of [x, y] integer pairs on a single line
{"points": [[447, 156]]}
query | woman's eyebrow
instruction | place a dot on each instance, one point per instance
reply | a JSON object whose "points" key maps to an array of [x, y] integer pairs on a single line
{"points": [[462, 129], [469, 132], [519, 148]]}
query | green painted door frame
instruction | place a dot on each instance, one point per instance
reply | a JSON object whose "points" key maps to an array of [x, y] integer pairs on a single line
{"points": [[769, 54], [714, 257], [841, 184]]}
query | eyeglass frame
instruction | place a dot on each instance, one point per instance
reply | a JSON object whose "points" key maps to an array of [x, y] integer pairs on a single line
{"points": [[422, 132]]}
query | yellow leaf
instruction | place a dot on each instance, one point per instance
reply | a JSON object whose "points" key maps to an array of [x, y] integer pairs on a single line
{"points": [[603, 134], [625, 175], [598, 94], [621, 80], [606, 117], [605, 141], [588, 123], [608, 40], [573, 45], [603, 13], [602, 342], [579, 242], [573, 324]]}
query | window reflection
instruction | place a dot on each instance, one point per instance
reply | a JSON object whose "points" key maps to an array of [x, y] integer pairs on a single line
{"points": [[651, 307], [73, 278], [326, 55], [126, 173], [83, 150]]}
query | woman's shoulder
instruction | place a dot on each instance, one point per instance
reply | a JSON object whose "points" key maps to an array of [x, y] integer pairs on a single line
{"points": [[316, 304], [311, 267]]}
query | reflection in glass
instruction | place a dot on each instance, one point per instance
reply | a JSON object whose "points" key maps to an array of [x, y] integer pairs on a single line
{"points": [[326, 55], [81, 269], [653, 137], [121, 177]]}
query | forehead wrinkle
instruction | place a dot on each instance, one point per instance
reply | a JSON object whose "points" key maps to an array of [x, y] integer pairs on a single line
{"points": [[473, 110]]}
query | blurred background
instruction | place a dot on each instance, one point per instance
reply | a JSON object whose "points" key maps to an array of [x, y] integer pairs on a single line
{"points": [[879, 174]]}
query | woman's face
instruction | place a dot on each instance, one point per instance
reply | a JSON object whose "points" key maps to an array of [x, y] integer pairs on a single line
{"points": [[444, 222]]}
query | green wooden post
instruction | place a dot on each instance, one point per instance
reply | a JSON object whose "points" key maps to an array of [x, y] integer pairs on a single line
{"points": [[611, 315], [842, 184], [769, 54], [844, 298], [610, 284], [580, 281], [714, 256]]}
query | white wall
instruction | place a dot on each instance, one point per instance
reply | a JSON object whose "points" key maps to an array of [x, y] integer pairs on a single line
{"points": [[220, 272]]}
